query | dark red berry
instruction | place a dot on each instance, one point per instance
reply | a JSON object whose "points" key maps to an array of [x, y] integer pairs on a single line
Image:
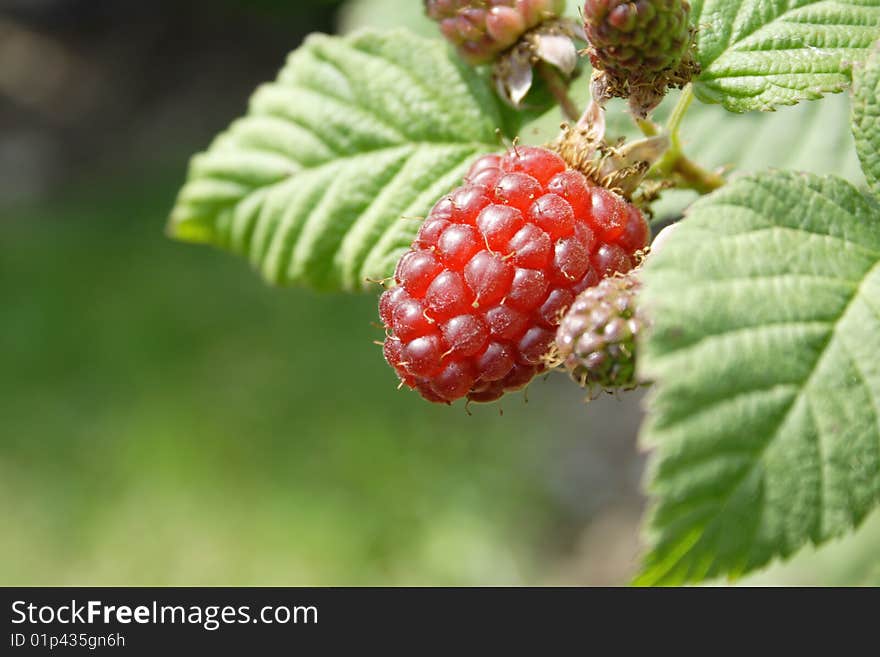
{"points": [[589, 279], [557, 302], [393, 350], [533, 345], [635, 235], [443, 209], [488, 394], [570, 260], [610, 258], [520, 375], [495, 265], [455, 380], [484, 163], [495, 362]]}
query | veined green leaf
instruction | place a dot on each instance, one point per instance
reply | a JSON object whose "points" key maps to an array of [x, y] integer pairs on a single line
{"points": [[813, 137], [320, 183], [766, 415], [866, 117], [758, 54]]}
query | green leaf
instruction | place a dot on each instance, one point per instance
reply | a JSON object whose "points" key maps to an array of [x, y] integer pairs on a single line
{"points": [[813, 137], [766, 413], [320, 182], [866, 117], [758, 54]]}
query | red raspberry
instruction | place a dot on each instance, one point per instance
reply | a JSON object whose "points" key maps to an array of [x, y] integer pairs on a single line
{"points": [[481, 291]]}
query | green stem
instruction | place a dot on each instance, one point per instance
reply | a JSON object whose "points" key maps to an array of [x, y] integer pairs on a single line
{"points": [[667, 163], [648, 128], [559, 90], [678, 112], [674, 162], [696, 177]]}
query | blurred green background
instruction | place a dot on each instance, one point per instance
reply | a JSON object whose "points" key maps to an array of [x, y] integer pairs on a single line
{"points": [[166, 418]]}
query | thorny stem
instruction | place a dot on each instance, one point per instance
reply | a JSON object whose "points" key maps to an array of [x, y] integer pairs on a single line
{"points": [[689, 174], [557, 87]]}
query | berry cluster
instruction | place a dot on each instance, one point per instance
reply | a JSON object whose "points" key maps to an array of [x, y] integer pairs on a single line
{"points": [[481, 291], [481, 29], [596, 339]]}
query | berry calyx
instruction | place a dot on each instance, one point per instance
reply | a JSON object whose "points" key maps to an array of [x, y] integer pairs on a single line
{"points": [[480, 293], [596, 340]]}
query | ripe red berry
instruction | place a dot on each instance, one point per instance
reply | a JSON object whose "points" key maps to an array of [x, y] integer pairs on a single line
{"points": [[495, 265], [416, 270], [539, 163], [518, 190], [430, 232], [531, 247], [457, 244], [489, 277]]}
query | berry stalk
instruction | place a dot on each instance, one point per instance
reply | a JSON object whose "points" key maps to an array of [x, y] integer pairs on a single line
{"points": [[558, 88], [675, 163]]}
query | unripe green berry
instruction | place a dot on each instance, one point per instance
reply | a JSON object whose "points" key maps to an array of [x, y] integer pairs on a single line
{"points": [[596, 340], [639, 49]]}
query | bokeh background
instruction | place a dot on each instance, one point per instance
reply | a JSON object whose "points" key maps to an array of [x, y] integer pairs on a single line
{"points": [[167, 418]]}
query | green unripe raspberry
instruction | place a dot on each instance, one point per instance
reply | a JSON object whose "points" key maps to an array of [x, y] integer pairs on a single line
{"points": [[639, 49], [643, 36], [596, 340], [480, 29]]}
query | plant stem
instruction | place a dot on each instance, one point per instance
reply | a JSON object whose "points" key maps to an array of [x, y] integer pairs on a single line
{"points": [[674, 161], [648, 128], [678, 112], [559, 90], [696, 177]]}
